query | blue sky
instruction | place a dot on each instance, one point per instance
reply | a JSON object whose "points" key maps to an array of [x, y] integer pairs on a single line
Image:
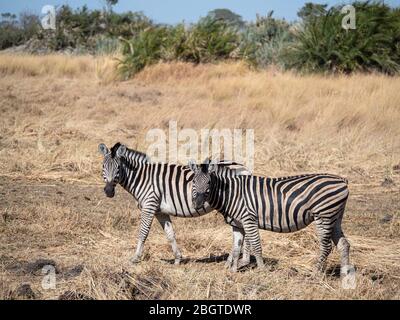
{"points": [[173, 11]]}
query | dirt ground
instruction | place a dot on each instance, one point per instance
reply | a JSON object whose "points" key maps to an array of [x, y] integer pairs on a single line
{"points": [[89, 238], [54, 214]]}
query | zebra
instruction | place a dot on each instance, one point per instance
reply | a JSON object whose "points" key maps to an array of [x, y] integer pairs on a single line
{"points": [[160, 189], [285, 204]]}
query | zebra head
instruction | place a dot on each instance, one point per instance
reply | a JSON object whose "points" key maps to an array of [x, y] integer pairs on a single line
{"points": [[111, 166], [201, 182]]}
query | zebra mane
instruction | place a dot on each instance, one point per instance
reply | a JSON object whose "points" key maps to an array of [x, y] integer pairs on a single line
{"points": [[114, 149], [138, 154]]}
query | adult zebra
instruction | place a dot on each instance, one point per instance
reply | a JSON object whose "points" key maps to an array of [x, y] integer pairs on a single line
{"points": [[160, 189], [285, 204]]}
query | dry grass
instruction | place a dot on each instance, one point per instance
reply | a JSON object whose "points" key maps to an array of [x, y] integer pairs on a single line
{"points": [[56, 109], [58, 65]]}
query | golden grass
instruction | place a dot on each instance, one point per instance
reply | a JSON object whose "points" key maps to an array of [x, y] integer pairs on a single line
{"points": [[59, 65], [56, 109]]}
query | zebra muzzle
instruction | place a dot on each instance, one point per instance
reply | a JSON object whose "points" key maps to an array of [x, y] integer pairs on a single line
{"points": [[109, 190], [198, 202]]}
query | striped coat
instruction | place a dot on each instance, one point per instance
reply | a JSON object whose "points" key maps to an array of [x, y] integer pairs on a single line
{"points": [[160, 189], [285, 204]]}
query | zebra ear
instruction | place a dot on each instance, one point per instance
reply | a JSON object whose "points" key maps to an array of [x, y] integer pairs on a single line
{"points": [[103, 149], [192, 165], [121, 151]]}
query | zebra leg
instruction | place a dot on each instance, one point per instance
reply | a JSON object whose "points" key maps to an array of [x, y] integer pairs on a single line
{"points": [[166, 224], [253, 236], [246, 253], [238, 234], [324, 231], [341, 244], [146, 219]]}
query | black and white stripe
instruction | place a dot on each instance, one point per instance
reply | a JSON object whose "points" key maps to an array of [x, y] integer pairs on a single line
{"points": [[284, 204], [160, 189]]}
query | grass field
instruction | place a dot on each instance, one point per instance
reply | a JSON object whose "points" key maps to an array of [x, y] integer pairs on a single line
{"points": [[57, 109]]}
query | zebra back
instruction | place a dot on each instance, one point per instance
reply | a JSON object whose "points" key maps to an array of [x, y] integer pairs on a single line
{"points": [[283, 204]]}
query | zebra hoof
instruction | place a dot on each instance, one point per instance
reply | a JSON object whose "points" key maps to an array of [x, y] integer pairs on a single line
{"points": [[243, 263], [319, 268]]}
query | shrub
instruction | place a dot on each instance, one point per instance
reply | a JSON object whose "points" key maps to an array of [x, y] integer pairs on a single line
{"points": [[323, 45], [143, 50], [263, 42], [207, 41], [14, 32], [126, 24]]}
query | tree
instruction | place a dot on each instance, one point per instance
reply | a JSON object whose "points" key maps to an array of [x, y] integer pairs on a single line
{"points": [[29, 23], [10, 33], [227, 16], [110, 4], [311, 10]]}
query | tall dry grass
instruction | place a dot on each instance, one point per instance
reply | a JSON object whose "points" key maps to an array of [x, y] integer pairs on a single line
{"points": [[301, 123], [103, 68], [56, 109]]}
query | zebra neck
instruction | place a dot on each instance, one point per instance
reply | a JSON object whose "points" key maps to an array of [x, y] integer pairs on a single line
{"points": [[132, 163], [218, 188], [135, 158]]}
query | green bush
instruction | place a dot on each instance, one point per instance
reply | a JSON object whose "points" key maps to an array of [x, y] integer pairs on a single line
{"points": [[15, 31], [323, 45], [143, 50], [126, 24], [207, 41], [90, 31], [263, 42], [317, 44]]}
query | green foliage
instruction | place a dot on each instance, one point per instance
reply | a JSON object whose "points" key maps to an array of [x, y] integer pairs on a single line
{"points": [[323, 45], [226, 16], [14, 32], [263, 41], [145, 49], [87, 29], [311, 10], [126, 24], [317, 44], [207, 41]]}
